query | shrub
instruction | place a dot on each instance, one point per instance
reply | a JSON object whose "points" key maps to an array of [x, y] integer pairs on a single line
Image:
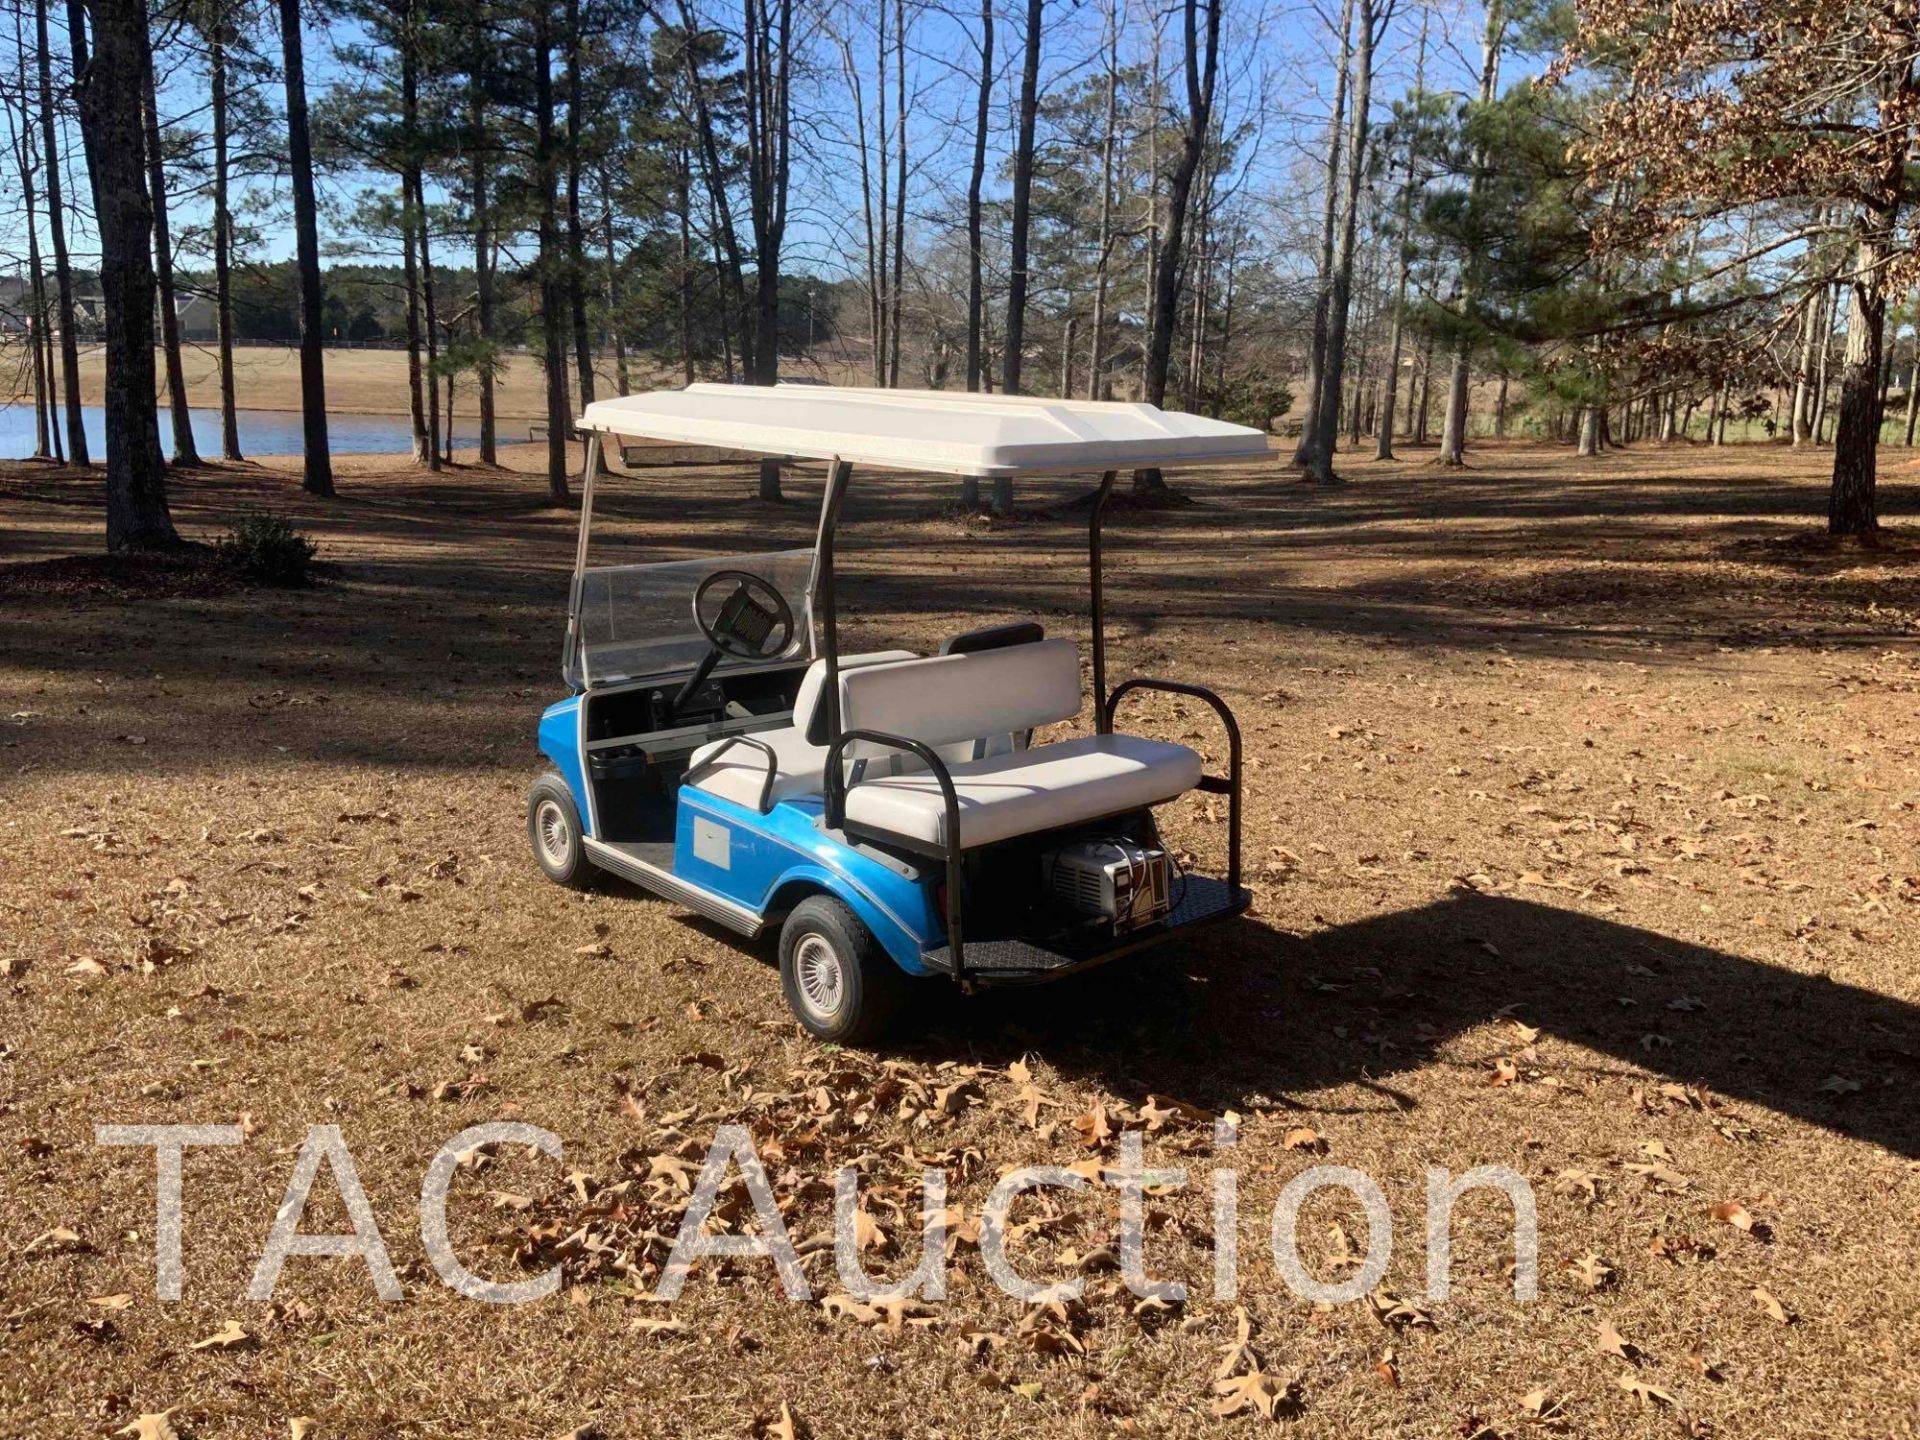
{"points": [[267, 550]]}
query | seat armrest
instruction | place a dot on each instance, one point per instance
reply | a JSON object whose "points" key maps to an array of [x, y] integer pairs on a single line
{"points": [[773, 765], [1229, 785]]}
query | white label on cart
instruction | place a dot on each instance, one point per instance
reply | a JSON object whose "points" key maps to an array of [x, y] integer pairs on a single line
{"points": [[712, 843]]}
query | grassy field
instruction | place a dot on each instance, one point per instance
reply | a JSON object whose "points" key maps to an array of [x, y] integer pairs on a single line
{"points": [[1584, 812], [360, 382]]}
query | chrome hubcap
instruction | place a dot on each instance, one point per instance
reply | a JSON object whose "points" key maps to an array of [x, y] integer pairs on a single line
{"points": [[820, 981], [554, 835]]}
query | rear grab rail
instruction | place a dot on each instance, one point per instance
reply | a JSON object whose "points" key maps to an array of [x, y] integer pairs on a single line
{"points": [[1229, 785], [836, 816]]}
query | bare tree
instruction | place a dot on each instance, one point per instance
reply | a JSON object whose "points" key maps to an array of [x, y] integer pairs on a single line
{"points": [[976, 297], [1373, 17], [1403, 242], [1329, 220], [185, 451], [1201, 66], [1014, 339], [219, 31], [56, 219]]}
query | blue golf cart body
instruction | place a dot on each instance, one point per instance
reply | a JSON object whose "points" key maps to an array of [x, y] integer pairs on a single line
{"points": [[888, 813]]}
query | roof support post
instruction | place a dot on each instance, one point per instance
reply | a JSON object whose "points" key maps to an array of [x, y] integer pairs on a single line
{"points": [[838, 475], [1102, 722], [573, 655]]}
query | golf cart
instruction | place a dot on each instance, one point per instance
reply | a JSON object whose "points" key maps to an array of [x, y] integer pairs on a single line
{"points": [[887, 811]]}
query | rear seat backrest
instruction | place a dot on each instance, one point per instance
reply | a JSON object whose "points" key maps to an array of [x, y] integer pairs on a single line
{"points": [[945, 699]]}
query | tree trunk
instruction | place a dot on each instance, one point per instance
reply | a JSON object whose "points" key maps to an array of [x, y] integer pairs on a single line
{"points": [[1589, 446], [1830, 318], [976, 286], [306, 226], [185, 451], [1720, 413], [1201, 65], [768, 53], [1096, 357], [897, 290], [1856, 435], [57, 223], [548, 260], [1453, 439], [1013, 340], [1329, 224], [1325, 423], [684, 198], [431, 319], [416, 370], [615, 336], [223, 241], [36, 321], [1810, 324], [483, 265], [110, 108], [576, 230], [1913, 392]]}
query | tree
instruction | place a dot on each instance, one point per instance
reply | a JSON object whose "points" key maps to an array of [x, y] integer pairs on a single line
{"points": [[1200, 52], [548, 262], [185, 451], [1453, 434], [313, 380], [1372, 17], [1776, 104], [56, 218], [1014, 339], [109, 92], [216, 23], [976, 297]]}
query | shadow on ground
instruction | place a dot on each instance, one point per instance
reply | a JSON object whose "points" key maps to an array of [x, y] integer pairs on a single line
{"points": [[1246, 1016]]}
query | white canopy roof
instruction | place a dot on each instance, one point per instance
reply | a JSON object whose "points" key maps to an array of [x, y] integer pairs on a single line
{"points": [[947, 431]]}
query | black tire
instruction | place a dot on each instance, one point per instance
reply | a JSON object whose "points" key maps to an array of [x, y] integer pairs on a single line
{"points": [[553, 827], [840, 985]]}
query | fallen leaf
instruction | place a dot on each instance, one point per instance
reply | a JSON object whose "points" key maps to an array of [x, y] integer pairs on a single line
{"points": [[1645, 1393], [1613, 1343], [157, 1426], [229, 1337], [1774, 1309], [1263, 1394]]}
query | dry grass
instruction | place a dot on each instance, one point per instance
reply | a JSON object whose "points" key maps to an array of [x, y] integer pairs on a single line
{"points": [[1586, 751], [359, 382]]}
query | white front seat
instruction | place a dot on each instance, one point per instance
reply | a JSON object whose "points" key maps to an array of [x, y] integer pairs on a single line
{"points": [[741, 774]]}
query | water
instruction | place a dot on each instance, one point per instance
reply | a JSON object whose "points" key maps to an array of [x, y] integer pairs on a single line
{"points": [[262, 432]]}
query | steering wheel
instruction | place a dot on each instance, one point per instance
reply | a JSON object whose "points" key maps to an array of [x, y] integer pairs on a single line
{"points": [[754, 622]]}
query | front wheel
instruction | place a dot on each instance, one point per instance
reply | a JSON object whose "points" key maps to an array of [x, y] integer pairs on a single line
{"points": [[553, 825], [839, 983]]}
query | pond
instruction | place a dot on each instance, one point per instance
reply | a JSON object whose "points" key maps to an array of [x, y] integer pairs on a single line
{"points": [[262, 432]]}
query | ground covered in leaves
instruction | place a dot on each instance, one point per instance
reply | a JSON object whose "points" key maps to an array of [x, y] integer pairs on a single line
{"points": [[1582, 820]]}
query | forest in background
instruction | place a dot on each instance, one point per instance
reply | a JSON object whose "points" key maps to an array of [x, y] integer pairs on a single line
{"points": [[1393, 221]]}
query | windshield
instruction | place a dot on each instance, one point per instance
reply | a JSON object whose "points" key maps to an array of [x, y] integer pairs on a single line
{"points": [[638, 620]]}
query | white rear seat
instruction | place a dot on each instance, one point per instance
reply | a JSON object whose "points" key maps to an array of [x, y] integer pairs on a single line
{"points": [[946, 699], [1038, 789], [949, 702]]}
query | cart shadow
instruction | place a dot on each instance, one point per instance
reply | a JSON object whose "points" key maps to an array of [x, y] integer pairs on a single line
{"points": [[1246, 1016]]}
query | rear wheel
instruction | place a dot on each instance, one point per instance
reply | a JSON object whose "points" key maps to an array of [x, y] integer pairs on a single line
{"points": [[839, 983], [553, 825]]}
